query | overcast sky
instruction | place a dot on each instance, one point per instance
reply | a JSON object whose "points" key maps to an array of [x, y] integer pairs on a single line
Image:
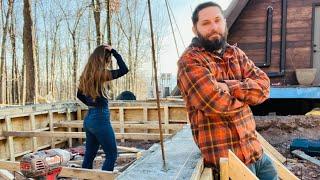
{"points": [[182, 10]]}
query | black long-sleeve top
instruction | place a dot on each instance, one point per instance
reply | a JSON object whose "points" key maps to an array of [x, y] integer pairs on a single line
{"points": [[102, 101]]}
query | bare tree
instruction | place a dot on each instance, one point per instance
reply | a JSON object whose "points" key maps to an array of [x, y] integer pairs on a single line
{"points": [[15, 71], [3, 52], [88, 34], [96, 13], [73, 32], [54, 55], [28, 54], [130, 23]]}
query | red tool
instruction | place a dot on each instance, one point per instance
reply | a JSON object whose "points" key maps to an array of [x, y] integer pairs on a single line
{"points": [[46, 164]]}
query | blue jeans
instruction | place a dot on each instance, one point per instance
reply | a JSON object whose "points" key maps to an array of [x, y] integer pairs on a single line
{"points": [[99, 131], [264, 168]]}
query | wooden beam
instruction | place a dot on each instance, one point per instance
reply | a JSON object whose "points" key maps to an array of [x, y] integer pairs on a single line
{"points": [[86, 173], [10, 139], [79, 124], [33, 127], [166, 119], [141, 136], [197, 170], [50, 114], [79, 116], [121, 119], [270, 149], [145, 118], [237, 170], [69, 129], [304, 156], [130, 149], [206, 174], [283, 172], [26, 114], [224, 169], [67, 171]]}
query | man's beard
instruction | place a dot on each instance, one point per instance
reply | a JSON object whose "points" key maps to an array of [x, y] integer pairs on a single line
{"points": [[212, 45]]}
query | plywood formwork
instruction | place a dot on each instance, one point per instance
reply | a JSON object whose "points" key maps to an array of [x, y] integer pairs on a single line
{"points": [[34, 127], [31, 128]]}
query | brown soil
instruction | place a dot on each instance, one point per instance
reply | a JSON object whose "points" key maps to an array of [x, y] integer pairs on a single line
{"points": [[137, 144], [281, 130]]}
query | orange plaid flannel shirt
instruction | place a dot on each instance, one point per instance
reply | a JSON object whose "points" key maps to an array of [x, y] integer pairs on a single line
{"points": [[221, 120]]}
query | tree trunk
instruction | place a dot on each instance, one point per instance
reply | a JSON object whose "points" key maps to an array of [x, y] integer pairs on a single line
{"points": [[15, 71], [36, 47], [109, 22], [75, 65], [23, 83], [89, 35], [96, 13], [28, 55], [3, 53]]}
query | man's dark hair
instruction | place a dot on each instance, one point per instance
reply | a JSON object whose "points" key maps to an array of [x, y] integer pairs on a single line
{"points": [[195, 14]]}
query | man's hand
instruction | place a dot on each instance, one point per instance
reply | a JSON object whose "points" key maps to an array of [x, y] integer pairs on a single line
{"points": [[224, 87]]}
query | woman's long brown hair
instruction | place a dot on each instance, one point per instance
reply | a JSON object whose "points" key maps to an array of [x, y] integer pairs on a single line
{"points": [[95, 76]]}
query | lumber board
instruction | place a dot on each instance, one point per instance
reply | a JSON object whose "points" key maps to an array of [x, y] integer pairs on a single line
{"points": [[130, 149], [270, 149], [237, 170], [10, 139], [121, 119], [145, 117], [141, 136], [303, 155], [224, 169], [166, 119], [198, 170], [79, 124], [79, 116], [33, 127], [50, 114], [68, 114], [206, 174], [66, 171], [283, 172]]}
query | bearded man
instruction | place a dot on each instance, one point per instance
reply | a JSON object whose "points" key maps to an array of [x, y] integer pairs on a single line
{"points": [[218, 83]]}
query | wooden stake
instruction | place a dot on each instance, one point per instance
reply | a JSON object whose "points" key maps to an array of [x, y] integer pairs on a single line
{"points": [[10, 138], [224, 169], [79, 117], [69, 129], [166, 119], [33, 127], [121, 118], [237, 170], [51, 127]]}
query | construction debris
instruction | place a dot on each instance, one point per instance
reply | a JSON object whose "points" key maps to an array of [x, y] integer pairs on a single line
{"points": [[303, 155]]}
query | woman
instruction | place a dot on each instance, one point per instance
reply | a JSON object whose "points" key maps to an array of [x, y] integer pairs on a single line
{"points": [[93, 91]]}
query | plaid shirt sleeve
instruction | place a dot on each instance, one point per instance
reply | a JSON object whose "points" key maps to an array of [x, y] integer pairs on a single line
{"points": [[200, 88], [254, 88]]}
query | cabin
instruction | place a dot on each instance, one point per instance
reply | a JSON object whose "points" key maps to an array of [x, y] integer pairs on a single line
{"points": [[282, 38]]}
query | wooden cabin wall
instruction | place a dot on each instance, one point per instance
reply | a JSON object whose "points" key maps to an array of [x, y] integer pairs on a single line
{"points": [[249, 32]]}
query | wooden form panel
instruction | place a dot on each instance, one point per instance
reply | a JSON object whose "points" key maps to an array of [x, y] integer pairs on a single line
{"points": [[137, 118]]}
